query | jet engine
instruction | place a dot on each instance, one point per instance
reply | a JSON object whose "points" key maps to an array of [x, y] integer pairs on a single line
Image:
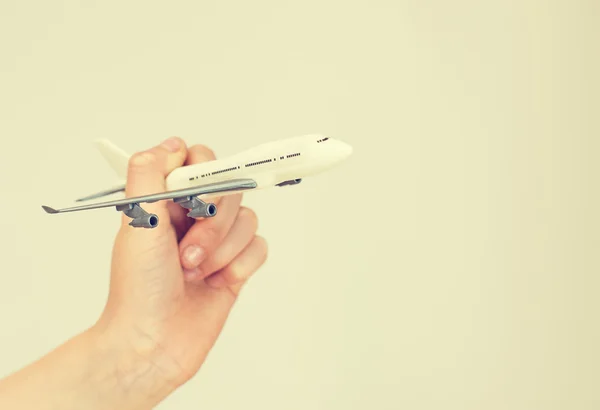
{"points": [[290, 182], [198, 208], [139, 217], [203, 210], [145, 221]]}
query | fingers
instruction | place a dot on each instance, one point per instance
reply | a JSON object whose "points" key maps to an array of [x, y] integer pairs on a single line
{"points": [[179, 219], [237, 239], [199, 153], [147, 171], [207, 234], [237, 272]]}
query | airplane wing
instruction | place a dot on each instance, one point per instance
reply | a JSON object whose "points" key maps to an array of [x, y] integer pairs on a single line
{"points": [[186, 197], [109, 191]]}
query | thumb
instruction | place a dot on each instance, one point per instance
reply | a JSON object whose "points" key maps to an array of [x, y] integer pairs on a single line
{"points": [[146, 175]]}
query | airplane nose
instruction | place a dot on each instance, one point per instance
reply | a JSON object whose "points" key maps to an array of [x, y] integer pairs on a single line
{"points": [[337, 150], [345, 149]]}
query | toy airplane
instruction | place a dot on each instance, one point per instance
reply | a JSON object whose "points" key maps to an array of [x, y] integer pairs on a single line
{"points": [[278, 163]]}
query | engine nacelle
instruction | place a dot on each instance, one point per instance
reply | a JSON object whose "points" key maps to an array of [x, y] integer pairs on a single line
{"points": [[198, 208], [203, 210], [140, 218], [290, 182], [146, 221]]}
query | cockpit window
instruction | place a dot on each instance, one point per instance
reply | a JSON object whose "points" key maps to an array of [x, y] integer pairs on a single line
{"points": [[324, 139]]}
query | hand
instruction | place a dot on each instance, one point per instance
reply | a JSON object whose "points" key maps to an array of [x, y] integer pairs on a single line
{"points": [[172, 287], [171, 290]]}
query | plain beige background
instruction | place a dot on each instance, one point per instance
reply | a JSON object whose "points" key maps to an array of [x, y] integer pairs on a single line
{"points": [[451, 263]]}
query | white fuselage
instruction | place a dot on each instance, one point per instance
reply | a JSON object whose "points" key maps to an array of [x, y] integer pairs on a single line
{"points": [[267, 164]]}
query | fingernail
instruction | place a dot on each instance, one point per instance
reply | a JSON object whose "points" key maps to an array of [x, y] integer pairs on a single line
{"points": [[193, 255], [215, 281], [172, 144]]}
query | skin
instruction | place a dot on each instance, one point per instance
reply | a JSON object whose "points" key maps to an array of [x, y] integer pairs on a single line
{"points": [[171, 291]]}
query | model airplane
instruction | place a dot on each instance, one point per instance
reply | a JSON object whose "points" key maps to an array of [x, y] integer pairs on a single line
{"points": [[278, 163]]}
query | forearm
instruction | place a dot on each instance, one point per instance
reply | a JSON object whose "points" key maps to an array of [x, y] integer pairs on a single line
{"points": [[85, 373]]}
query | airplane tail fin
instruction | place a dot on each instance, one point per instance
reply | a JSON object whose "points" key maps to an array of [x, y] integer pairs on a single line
{"points": [[115, 156], [118, 161]]}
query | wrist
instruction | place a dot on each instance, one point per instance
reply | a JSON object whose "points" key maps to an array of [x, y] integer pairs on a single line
{"points": [[136, 373], [89, 371]]}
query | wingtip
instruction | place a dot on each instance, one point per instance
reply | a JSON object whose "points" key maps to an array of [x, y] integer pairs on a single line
{"points": [[49, 209]]}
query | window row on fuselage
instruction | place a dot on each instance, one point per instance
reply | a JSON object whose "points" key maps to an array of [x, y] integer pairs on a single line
{"points": [[224, 170], [251, 164]]}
